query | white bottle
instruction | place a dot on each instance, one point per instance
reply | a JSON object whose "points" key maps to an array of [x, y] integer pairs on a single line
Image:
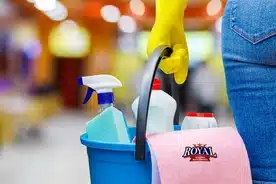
{"points": [[195, 120], [162, 108], [109, 125]]}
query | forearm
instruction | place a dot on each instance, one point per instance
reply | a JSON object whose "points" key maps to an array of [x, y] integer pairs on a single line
{"points": [[170, 12]]}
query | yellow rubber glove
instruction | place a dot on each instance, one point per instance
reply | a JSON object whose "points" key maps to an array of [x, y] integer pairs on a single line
{"points": [[168, 30]]}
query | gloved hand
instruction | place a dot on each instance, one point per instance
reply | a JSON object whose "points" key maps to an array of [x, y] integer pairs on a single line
{"points": [[169, 30]]}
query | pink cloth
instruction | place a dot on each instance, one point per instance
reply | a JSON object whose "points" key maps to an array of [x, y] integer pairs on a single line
{"points": [[169, 167]]}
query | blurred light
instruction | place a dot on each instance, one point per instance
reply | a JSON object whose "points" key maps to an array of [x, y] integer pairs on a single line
{"points": [[137, 7], [201, 45], [59, 13], [32, 48], [68, 24], [45, 5], [31, 1], [127, 24], [22, 33], [110, 13], [218, 25], [142, 41], [5, 8], [214, 7], [69, 40], [127, 43]]}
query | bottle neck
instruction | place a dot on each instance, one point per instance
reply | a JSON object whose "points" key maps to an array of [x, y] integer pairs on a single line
{"points": [[105, 106], [105, 100]]}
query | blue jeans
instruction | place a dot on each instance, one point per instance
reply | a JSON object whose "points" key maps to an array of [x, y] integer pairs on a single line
{"points": [[249, 56]]}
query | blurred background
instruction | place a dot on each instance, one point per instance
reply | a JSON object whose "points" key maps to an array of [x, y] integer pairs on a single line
{"points": [[46, 44]]}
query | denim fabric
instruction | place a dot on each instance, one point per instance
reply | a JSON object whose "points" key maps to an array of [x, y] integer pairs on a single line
{"points": [[249, 56]]}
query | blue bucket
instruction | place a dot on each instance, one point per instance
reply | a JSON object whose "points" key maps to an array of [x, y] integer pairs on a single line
{"points": [[115, 163], [111, 163]]}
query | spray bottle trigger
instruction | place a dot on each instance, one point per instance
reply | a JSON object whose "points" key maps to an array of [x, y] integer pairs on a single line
{"points": [[88, 95]]}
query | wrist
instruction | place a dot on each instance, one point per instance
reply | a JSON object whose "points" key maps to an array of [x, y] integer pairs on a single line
{"points": [[170, 12]]}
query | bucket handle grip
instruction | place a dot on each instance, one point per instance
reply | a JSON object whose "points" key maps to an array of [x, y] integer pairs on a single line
{"points": [[158, 54]]}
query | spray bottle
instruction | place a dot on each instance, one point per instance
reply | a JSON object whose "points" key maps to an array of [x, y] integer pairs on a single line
{"points": [[109, 125]]}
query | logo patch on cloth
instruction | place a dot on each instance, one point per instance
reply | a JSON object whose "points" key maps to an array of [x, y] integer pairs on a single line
{"points": [[199, 152]]}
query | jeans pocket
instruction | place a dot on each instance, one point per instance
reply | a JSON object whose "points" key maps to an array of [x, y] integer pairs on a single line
{"points": [[254, 20]]}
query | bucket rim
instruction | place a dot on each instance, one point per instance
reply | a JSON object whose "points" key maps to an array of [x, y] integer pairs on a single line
{"points": [[115, 146], [106, 146]]}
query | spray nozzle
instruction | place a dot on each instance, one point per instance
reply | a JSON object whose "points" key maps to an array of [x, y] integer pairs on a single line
{"points": [[88, 93], [102, 84]]}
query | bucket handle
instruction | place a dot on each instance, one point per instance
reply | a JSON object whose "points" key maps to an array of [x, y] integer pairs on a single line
{"points": [[158, 54]]}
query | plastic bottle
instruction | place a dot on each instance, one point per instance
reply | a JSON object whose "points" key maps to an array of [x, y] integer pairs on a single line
{"points": [[109, 125], [195, 120], [162, 108]]}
